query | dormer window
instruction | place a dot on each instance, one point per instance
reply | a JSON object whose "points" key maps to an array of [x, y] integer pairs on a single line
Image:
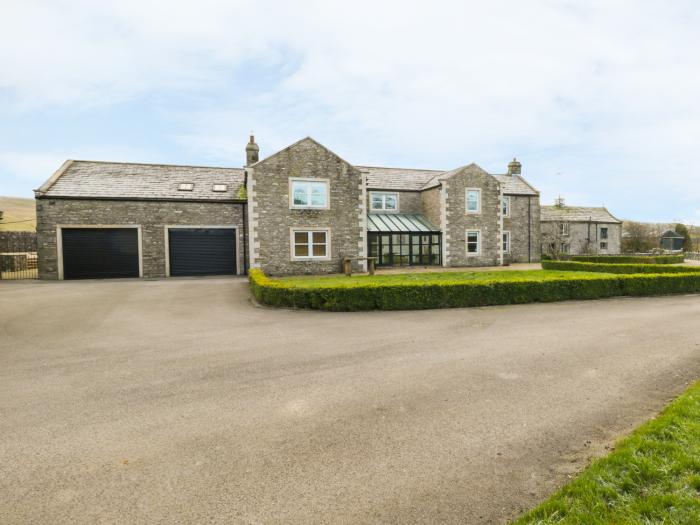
{"points": [[220, 187], [186, 186]]}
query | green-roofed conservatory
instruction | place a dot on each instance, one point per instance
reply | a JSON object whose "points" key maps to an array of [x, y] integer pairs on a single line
{"points": [[398, 239]]}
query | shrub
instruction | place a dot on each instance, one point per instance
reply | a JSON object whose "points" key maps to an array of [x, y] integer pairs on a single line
{"points": [[630, 259], [373, 295], [574, 266]]}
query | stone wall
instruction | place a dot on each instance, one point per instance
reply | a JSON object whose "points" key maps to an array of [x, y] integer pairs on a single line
{"points": [[517, 224], [584, 237], [458, 221], [152, 216], [431, 206], [272, 217]]}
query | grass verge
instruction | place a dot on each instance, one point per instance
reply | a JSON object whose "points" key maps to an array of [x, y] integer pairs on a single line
{"points": [[653, 476]]}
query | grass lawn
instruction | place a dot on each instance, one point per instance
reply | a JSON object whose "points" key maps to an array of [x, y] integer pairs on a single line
{"points": [[432, 278], [19, 214], [653, 476]]}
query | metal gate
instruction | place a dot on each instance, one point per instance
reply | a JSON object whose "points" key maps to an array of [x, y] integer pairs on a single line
{"points": [[18, 258]]}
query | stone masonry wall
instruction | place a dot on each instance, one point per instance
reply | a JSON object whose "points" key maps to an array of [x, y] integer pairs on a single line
{"points": [[517, 224], [151, 215], [458, 221], [578, 238], [272, 218], [430, 202]]}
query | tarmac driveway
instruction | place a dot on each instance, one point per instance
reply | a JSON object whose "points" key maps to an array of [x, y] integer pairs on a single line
{"points": [[178, 401]]}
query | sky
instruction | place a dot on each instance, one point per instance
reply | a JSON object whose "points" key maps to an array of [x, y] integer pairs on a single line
{"points": [[599, 100]]}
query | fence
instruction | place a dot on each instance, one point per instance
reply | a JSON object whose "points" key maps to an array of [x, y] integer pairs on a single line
{"points": [[18, 258], [695, 256]]}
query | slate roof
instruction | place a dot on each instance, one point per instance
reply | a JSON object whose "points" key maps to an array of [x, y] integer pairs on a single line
{"points": [[515, 185], [577, 214], [399, 222], [397, 178], [418, 179], [83, 178]]}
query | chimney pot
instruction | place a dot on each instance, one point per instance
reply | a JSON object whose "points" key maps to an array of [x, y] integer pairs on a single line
{"points": [[251, 151]]}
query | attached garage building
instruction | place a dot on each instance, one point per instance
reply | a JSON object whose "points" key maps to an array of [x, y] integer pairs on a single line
{"points": [[108, 220]]}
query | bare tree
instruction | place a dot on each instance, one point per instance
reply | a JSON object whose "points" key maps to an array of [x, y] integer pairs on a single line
{"points": [[637, 237]]}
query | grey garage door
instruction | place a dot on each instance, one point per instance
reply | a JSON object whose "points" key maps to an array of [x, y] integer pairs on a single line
{"points": [[95, 253], [202, 251]]}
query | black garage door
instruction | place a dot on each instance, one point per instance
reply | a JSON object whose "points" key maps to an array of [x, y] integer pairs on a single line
{"points": [[94, 253], [202, 251]]}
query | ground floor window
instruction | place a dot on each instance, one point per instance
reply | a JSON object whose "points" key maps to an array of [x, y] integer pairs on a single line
{"points": [[564, 248], [473, 242], [405, 249], [603, 245], [506, 242], [310, 244]]}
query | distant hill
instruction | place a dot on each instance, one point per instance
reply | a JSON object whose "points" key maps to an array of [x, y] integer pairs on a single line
{"points": [[18, 214]]}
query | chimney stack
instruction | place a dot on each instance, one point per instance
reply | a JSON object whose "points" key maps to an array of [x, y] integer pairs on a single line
{"points": [[514, 167], [251, 151]]}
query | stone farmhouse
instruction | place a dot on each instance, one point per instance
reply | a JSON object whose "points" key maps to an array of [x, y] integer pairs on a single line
{"points": [[301, 210], [578, 230]]}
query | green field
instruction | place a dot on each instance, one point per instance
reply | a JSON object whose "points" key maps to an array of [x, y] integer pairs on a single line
{"points": [[430, 278], [19, 214]]}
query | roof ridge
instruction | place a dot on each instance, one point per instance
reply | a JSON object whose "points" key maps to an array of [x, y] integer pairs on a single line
{"points": [[393, 168], [165, 165]]}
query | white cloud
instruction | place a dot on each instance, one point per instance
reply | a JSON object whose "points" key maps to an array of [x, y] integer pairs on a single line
{"points": [[604, 91]]}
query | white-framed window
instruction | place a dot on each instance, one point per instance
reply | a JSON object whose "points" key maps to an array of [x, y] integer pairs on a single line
{"points": [[383, 201], [505, 206], [506, 242], [564, 247], [309, 193], [603, 246], [564, 229], [310, 244], [473, 243], [473, 200]]}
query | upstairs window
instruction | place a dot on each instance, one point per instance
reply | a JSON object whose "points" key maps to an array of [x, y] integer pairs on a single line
{"points": [[185, 186], [564, 229], [309, 194], [384, 201], [603, 233], [505, 206], [473, 199]]}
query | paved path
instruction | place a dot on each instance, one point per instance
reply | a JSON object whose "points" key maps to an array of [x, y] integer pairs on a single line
{"points": [[179, 402]]}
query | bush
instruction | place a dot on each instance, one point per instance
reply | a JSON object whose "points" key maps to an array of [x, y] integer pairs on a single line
{"points": [[630, 259], [573, 266], [371, 295]]}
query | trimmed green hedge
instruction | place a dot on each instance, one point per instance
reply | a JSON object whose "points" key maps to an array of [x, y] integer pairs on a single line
{"points": [[630, 259], [414, 296], [573, 266]]}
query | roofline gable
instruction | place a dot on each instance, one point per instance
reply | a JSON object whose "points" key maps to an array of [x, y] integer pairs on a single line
{"points": [[300, 141], [53, 178]]}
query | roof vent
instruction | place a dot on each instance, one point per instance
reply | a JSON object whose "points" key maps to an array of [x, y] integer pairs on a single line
{"points": [[186, 186], [220, 187]]}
